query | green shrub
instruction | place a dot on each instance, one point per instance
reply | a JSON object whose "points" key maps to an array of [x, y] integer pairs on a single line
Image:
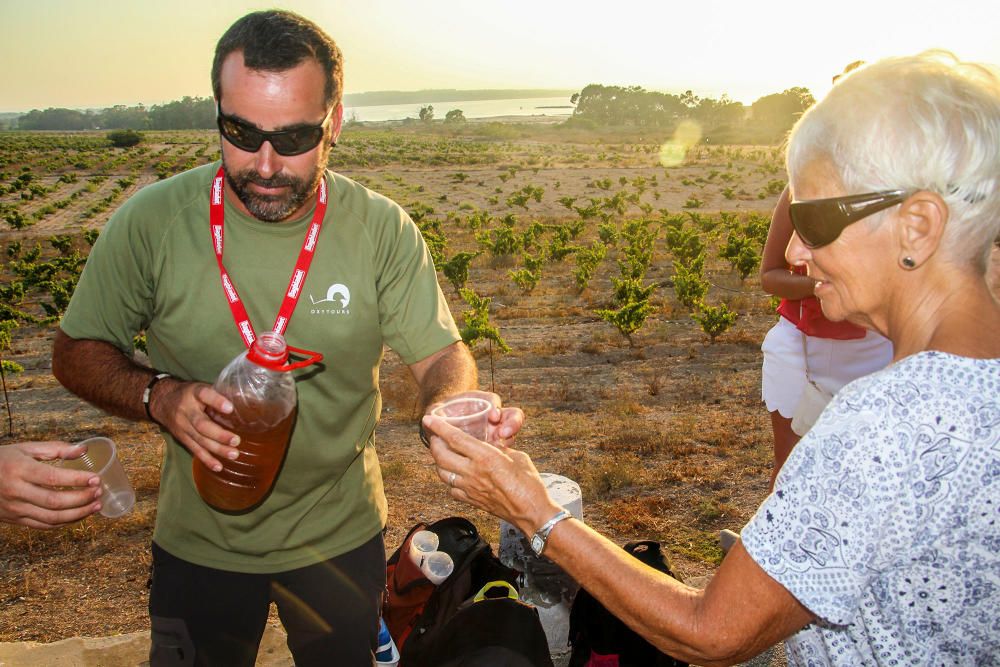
{"points": [[456, 269], [525, 280], [124, 138], [689, 286], [12, 367], [477, 321], [629, 318], [714, 320]]}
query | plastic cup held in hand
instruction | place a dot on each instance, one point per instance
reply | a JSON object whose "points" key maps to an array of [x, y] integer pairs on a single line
{"points": [[437, 567], [423, 543], [467, 414], [117, 496]]}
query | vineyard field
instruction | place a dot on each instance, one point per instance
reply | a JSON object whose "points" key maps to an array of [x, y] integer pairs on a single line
{"points": [[624, 288]]}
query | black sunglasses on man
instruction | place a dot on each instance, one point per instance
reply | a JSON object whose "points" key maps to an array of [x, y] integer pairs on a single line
{"points": [[820, 221], [246, 137]]}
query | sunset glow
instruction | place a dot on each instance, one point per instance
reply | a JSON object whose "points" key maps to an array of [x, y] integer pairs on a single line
{"points": [[95, 54]]}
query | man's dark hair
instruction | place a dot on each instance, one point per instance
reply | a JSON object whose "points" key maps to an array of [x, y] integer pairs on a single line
{"points": [[277, 40]]}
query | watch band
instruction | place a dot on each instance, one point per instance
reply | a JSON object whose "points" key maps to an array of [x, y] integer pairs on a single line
{"points": [[541, 537], [148, 391]]}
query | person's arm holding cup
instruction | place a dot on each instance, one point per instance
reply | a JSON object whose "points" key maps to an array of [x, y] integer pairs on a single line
{"points": [[450, 374], [741, 613], [37, 494]]}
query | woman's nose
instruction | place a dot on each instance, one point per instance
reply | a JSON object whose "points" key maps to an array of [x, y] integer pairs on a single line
{"points": [[796, 253]]}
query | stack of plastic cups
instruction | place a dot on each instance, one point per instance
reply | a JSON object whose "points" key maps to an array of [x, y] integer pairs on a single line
{"points": [[435, 565]]}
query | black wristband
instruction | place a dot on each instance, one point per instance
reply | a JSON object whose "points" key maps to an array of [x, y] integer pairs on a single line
{"points": [[424, 437], [148, 391]]}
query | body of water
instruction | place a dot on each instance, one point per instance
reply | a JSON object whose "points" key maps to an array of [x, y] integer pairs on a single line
{"points": [[532, 106]]}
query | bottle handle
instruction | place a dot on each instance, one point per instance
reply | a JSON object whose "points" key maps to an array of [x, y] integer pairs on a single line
{"points": [[311, 358]]}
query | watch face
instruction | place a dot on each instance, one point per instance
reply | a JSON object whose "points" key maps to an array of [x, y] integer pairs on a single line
{"points": [[537, 544]]}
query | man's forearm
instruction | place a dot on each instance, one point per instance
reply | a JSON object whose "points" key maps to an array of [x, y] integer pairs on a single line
{"points": [[99, 373], [448, 372]]}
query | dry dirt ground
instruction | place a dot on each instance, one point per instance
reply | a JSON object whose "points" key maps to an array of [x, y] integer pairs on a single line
{"points": [[666, 436]]}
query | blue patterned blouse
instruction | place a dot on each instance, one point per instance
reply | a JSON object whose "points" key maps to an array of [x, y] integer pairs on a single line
{"points": [[885, 519]]}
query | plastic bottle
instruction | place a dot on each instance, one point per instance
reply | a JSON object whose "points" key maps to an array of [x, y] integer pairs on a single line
{"points": [[262, 391], [387, 653]]}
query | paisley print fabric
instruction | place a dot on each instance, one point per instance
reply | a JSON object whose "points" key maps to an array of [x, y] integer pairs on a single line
{"points": [[885, 520]]}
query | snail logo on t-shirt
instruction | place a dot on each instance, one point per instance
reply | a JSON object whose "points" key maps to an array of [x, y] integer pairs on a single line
{"points": [[339, 298]]}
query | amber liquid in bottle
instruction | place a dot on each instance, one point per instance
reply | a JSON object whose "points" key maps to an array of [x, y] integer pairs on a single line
{"points": [[264, 437]]}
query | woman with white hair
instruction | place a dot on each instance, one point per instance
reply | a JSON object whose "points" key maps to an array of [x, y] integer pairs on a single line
{"points": [[807, 358], [881, 541]]}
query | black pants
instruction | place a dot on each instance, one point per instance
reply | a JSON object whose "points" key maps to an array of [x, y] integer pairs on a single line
{"points": [[205, 617]]}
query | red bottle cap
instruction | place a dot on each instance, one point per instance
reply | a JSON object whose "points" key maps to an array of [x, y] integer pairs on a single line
{"points": [[271, 352]]}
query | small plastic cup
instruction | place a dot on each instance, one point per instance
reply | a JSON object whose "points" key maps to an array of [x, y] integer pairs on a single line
{"points": [[437, 567], [424, 542], [117, 496], [468, 414]]}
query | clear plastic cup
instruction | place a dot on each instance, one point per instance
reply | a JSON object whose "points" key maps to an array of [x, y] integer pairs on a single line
{"points": [[424, 542], [468, 414], [437, 567], [117, 496]]}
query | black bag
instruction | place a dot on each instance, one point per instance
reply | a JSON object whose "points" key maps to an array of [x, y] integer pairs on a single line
{"points": [[472, 618], [600, 639]]}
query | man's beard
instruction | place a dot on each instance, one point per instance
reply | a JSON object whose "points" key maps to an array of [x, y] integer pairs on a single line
{"points": [[273, 208]]}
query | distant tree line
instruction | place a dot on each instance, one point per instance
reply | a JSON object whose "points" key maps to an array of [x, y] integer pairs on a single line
{"points": [[770, 116], [600, 106], [187, 113]]}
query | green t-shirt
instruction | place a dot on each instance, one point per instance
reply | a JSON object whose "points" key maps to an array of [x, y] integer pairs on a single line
{"points": [[372, 281]]}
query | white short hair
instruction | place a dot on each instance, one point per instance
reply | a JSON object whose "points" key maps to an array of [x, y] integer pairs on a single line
{"points": [[924, 122]]}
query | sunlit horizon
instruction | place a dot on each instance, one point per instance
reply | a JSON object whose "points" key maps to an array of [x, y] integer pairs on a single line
{"points": [[89, 54]]}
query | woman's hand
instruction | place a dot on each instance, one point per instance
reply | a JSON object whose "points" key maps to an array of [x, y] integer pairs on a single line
{"points": [[499, 480]]}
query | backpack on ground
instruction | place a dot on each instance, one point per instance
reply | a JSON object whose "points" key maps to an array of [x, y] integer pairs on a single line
{"points": [[600, 639], [471, 618]]}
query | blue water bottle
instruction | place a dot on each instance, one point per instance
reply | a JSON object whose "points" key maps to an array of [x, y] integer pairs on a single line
{"points": [[387, 654]]}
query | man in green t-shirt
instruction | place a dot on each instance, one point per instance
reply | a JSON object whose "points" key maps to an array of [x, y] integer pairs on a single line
{"points": [[200, 260]]}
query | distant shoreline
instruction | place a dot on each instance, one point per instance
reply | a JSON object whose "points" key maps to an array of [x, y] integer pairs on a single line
{"points": [[440, 95], [536, 119], [374, 98]]}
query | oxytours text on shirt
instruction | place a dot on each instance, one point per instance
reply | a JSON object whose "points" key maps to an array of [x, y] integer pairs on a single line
{"points": [[338, 296]]}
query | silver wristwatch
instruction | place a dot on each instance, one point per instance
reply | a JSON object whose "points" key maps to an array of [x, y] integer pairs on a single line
{"points": [[541, 537]]}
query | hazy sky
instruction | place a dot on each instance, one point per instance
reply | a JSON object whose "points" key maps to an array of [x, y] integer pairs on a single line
{"points": [[96, 53]]}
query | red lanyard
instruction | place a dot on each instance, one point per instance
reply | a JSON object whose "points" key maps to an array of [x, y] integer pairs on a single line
{"points": [[217, 216]]}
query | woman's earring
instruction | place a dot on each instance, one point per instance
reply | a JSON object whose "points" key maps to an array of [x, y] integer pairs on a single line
{"points": [[908, 263]]}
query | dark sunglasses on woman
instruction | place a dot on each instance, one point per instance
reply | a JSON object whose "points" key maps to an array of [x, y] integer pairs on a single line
{"points": [[246, 137], [820, 221]]}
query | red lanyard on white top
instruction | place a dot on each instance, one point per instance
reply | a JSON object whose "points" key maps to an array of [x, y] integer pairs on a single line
{"points": [[217, 215]]}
